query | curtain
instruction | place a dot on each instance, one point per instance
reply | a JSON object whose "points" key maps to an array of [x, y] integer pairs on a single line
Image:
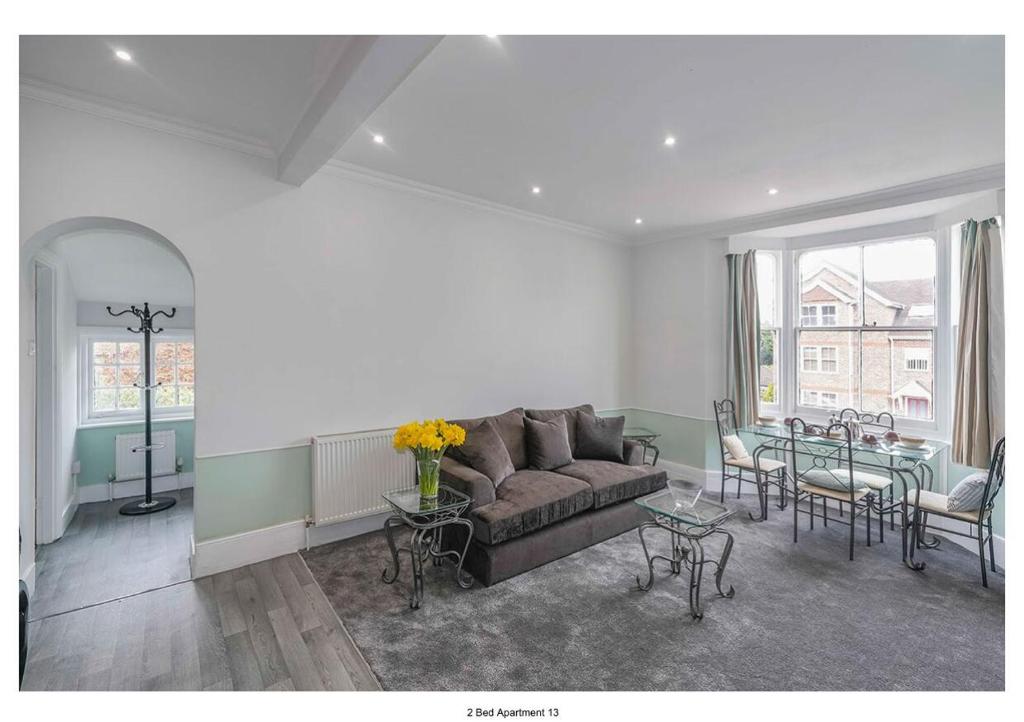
{"points": [[743, 336], [972, 412]]}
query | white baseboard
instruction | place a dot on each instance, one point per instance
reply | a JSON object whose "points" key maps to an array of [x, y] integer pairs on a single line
{"points": [[29, 577], [136, 487], [711, 478], [230, 552], [69, 513]]}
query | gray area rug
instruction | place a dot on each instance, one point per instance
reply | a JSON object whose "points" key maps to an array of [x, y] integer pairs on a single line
{"points": [[803, 618]]}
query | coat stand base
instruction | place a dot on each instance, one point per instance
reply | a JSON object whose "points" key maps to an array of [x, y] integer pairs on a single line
{"points": [[157, 503]]}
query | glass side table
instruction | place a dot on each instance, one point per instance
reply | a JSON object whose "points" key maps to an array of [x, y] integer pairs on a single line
{"points": [[427, 519], [645, 437], [688, 524]]}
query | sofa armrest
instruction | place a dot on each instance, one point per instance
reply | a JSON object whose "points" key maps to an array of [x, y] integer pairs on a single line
{"points": [[632, 452], [467, 480]]}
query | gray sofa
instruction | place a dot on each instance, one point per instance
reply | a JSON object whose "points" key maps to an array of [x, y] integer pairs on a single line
{"points": [[534, 517]]}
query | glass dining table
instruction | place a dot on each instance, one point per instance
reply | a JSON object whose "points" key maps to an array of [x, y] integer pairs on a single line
{"points": [[905, 464]]}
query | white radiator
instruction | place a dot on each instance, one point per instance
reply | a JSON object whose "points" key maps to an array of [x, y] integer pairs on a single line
{"points": [[130, 464], [351, 471]]}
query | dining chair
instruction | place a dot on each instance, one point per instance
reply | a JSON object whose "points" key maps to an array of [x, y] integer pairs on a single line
{"points": [[929, 503], [736, 459], [877, 424], [831, 475]]}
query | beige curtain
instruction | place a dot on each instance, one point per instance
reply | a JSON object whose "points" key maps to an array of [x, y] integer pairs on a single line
{"points": [[972, 429], [743, 338]]}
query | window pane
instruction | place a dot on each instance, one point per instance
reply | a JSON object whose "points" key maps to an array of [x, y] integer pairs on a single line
{"points": [[186, 374], [186, 353], [829, 369], [165, 373], [769, 369], [103, 400], [129, 376], [186, 396], [164, 352], [164, 397], [128, 399], [831, 277], [899, 282], [104, 375], [889, 385], [129, 353], [104, 352]]}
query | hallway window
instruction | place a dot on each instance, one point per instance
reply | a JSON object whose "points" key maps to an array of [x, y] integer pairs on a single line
{"points": [[112, 376]]}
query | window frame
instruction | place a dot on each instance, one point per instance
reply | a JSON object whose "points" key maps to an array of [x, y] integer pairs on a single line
{"points": [[818, 360], [779, 328], [87, 336], [939, 426]]}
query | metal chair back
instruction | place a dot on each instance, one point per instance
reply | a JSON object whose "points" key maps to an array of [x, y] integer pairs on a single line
{"points": [[725, 420], [996, 477]]}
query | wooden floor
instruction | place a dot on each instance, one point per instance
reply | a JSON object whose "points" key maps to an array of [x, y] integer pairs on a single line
{"points": [[104, 555], [267, 626], [114, 609]]}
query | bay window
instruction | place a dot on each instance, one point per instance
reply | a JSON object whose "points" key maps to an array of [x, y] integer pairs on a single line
{"points": [[866, 327]]}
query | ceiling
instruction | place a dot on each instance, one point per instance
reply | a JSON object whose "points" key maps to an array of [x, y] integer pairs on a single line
{"points": [[120, 267], [584, 118], [255, 87]]}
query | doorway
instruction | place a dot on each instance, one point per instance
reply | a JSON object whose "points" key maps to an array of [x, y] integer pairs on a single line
{"points": [[90, 408]]}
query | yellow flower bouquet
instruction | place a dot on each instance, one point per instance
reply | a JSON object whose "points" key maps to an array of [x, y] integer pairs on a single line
{"points": [[428, 440]]}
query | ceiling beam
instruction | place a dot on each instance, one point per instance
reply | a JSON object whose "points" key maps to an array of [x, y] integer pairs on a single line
{"points": [[368, 70]]}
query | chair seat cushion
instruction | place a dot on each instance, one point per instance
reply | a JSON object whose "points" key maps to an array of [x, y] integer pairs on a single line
{"points": [[529, 500], [747, 462], [835, 479], [934, 502], [831, 493], [877, 482], [613, 482]]}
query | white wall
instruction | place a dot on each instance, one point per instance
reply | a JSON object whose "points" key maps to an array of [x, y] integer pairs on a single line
{"points": [[342, 304], [678, 329]]}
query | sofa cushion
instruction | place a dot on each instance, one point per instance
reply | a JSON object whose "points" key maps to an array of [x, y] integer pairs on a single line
{"points": [[527, 501], [599, 437], [570, 414], [547, 443], [613, 482], [486, 452], [509, 426]]}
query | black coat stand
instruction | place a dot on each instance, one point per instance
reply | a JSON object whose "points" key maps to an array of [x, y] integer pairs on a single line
{"points": [[150, 503]]}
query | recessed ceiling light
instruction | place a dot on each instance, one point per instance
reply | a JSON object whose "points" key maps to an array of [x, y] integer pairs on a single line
{"points": [[123, 55], [639, 221], [670, 140], [535, 190], [773, 191], [378, 139]]}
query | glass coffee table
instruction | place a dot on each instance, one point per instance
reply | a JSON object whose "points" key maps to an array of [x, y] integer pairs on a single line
{"points": [[644, 437], [688, 524], [427, 519]]}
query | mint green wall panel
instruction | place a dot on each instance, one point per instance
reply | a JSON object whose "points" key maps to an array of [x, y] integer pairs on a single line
{"points": [[95, 447], [683, 440], [242, 492]]}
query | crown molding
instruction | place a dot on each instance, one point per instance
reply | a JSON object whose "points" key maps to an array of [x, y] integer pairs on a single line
{"points": [[986, 178], [386, 180], [133, 115]]}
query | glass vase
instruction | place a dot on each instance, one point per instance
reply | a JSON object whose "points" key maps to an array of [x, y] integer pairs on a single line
{"points": [[428, 471]]}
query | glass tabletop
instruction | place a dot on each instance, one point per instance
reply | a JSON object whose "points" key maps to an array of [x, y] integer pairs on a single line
{"points": [[639, 432], [702, 513], [410, 501], [883, 447]]}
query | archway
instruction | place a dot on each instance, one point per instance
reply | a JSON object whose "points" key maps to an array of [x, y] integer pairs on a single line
{"points": [[95, 373]]}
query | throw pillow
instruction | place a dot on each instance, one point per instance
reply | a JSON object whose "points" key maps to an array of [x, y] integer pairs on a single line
{"points": [[968, 494], [836, 479], [547, 443], [734, 446], [599, 437], [485, 452]]}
